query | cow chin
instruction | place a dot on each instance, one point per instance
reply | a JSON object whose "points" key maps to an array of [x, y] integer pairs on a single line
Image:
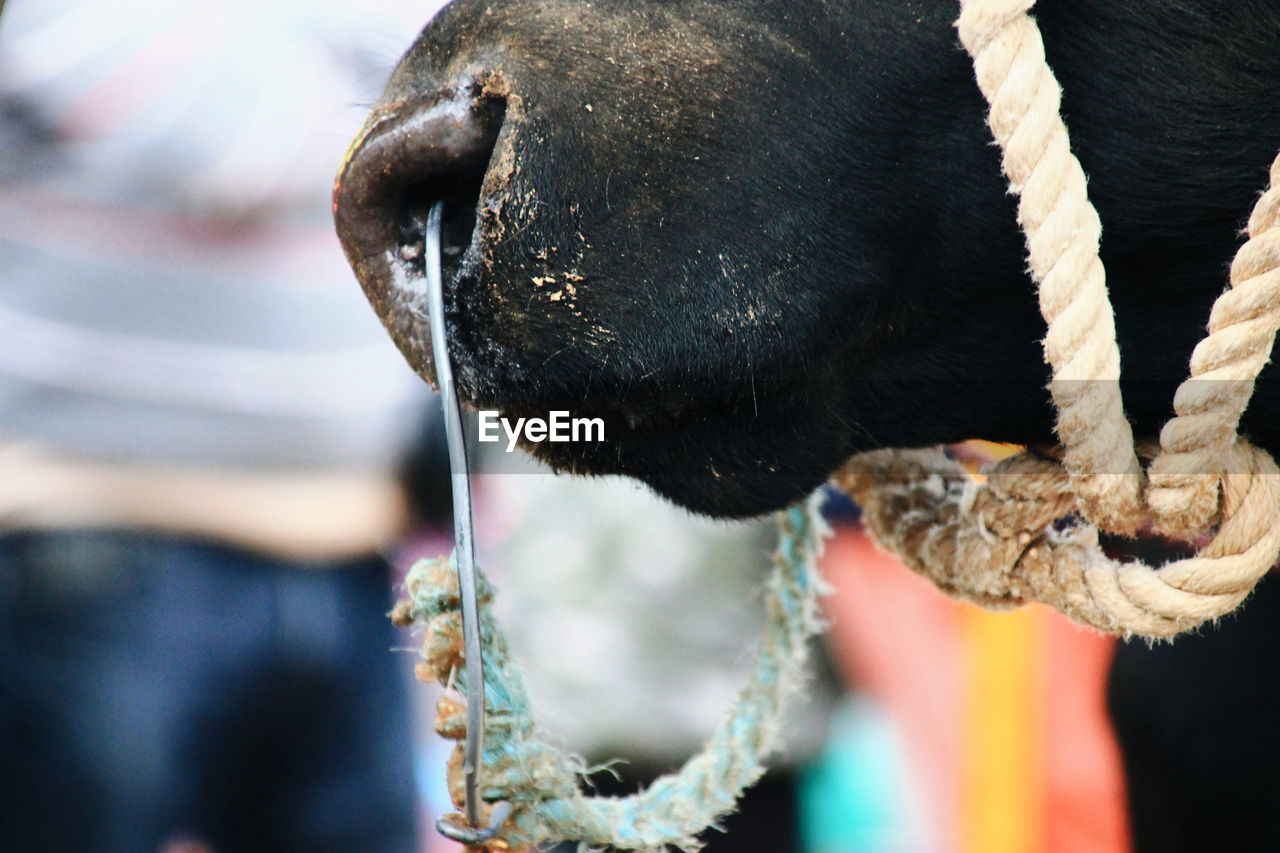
{"points": [[725, 467]]}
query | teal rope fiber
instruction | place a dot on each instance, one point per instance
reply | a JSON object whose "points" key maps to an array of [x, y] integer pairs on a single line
{"points": [[542, 782]]}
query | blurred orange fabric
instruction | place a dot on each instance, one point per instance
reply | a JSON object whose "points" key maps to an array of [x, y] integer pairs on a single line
{"points": [[1002, 715]]}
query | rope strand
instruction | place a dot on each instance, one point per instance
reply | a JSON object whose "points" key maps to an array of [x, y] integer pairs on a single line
{"points": [[1063, 233]]}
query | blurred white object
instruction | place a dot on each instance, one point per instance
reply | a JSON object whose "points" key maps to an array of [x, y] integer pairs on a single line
{"points": [[635, 621]]}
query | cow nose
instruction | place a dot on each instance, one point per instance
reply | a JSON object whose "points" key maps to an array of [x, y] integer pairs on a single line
{"points": [[411, 154]]}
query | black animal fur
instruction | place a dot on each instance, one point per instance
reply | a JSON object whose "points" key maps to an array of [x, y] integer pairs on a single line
{"points": [[780, 235]]}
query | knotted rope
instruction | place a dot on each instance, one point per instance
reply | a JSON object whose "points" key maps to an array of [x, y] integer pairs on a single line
{"points": [[1015, 538], [541, 782]]}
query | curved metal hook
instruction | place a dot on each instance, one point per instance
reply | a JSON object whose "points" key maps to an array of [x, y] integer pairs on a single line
{"points": [[471, 836]]}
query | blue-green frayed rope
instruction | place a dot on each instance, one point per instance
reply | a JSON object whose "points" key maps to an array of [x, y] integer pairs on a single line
{"points": [[542, 782]]}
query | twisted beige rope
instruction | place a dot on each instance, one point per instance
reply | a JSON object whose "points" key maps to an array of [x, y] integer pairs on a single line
{"points": [[1242, 328], [1063, 231], [1015, 539]]}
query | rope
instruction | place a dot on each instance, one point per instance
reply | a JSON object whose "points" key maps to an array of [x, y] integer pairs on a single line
{"points": [[541, 782], [1030, 533], [1242, 331], [1063, 232], [1013, 540]]}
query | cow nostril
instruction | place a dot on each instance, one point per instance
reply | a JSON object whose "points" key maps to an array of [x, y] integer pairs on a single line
{"points": [[461, 196], [437, 148]]}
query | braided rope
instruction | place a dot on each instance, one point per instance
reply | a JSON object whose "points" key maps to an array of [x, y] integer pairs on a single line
{"points": [[1012, 540], [542, 783], [1015, 538]]}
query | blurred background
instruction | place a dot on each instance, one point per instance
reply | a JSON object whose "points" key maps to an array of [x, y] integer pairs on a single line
{"points": [[214, 468]]}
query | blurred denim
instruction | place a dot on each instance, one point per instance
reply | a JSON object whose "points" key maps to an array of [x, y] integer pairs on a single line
{"points": [[150, 686]]}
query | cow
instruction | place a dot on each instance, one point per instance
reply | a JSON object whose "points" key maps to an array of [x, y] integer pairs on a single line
{"points": [[759, 237]]}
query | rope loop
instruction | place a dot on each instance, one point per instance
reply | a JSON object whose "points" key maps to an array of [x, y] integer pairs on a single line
{"points": [[541, 783]]}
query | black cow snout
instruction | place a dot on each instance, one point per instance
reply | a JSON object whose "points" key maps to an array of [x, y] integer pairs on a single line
{"points": [[410, 155]]}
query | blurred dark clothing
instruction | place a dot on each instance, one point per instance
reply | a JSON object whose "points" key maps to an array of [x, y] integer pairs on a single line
{"points": [[153, 688], [1197, 725]]}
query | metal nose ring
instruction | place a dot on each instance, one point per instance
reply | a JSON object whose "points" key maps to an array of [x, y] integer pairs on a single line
{"points": [[464, 541]]}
